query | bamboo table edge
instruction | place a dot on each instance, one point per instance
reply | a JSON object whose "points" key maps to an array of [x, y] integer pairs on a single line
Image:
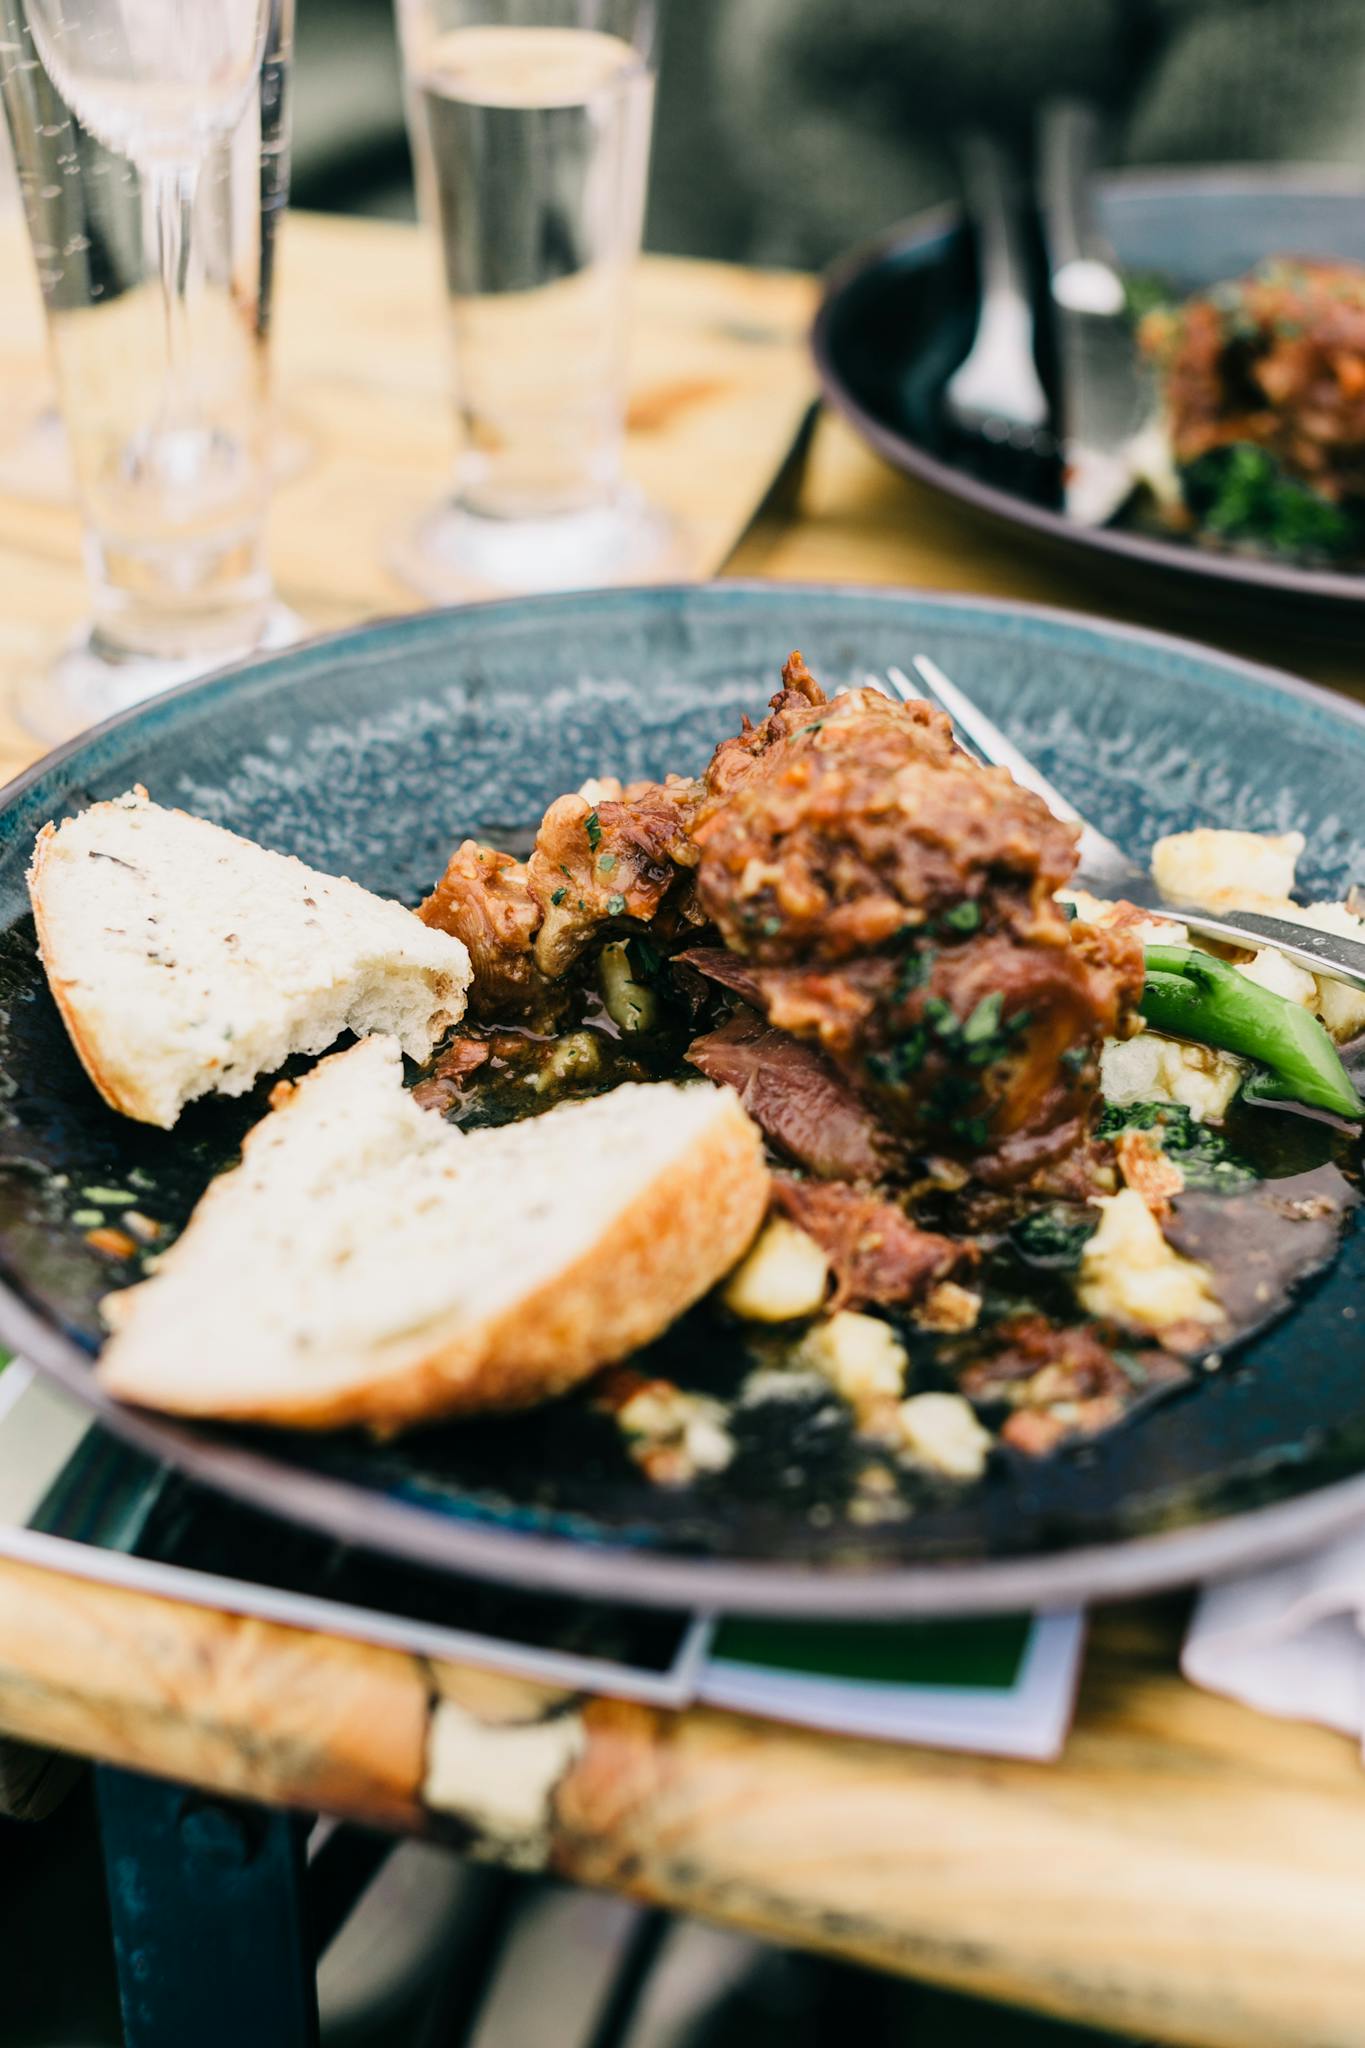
{"points": [[1155, 1881]]}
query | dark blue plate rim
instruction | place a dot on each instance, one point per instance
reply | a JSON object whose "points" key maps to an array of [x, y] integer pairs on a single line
{"points": [[577, 1566], [1341, 591]]}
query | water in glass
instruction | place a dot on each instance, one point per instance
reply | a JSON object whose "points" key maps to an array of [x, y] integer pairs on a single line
{"points": [[151, 143], [531, 125]]}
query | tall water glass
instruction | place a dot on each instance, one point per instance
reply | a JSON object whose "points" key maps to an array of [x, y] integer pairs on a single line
{"points": [[151, 139], [530, 124]]}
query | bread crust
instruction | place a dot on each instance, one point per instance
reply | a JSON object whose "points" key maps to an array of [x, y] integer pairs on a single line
{"points": [[120, 1093], [693, 1222]]}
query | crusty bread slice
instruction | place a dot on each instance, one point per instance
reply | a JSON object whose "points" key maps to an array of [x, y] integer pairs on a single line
{"points": [[187, 961], [367, 1262]]}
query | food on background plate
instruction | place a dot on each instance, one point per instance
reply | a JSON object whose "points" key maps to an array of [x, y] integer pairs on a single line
{"points": [[1263, 390], [1014, 1188], [186, 960], [367, 1262]]}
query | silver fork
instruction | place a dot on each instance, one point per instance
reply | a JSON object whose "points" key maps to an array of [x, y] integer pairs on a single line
{"points": [[995, 391], [1105, 868]]}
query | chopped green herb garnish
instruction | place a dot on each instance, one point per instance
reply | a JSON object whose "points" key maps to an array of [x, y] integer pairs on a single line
{"points": [[1241, 494], [915, 971], [1144, 292], [1202, 1154], [644, 957], [1054, 1236], [940, 1017], [963, 917], [592, 825], [771, 927], [1132, 1368], [557, 896], [984, 1021], [973, 1130], [902, 1060]]}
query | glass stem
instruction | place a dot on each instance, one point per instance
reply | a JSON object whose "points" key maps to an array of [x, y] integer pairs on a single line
{"points": [[173, 196]]}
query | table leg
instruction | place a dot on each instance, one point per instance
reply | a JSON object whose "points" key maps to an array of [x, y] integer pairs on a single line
{"points": [[207, 1900]]}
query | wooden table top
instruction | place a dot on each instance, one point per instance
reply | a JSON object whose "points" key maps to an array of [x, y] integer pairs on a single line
{"points": [[1190, 1872]]}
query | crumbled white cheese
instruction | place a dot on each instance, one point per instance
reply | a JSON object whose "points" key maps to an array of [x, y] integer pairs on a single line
{"points": [[784, 1276], [1219, 869], [1151, 1068], [662, 1414], [781, 1383], [1341, 1008], [948, 1307], [1091, 909], [1129, 1271], [861, 1357], [1269, 969], [941, 1430]]}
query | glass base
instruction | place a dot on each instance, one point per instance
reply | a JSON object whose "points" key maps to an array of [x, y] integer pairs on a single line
{"points": [[85, 686], [454, 555]]}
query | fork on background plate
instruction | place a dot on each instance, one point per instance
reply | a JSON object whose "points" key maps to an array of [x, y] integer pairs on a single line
{"points": [[996, 391]]}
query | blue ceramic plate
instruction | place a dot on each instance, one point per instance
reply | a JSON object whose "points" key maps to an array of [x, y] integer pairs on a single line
{"points": [[898, 318], [370, 754]]}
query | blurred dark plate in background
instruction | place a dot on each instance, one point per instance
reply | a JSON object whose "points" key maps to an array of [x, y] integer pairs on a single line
{"points": [[898, 318]]}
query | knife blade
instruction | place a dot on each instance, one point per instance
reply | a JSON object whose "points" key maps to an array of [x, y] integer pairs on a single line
{"points": [[1106, 402]]}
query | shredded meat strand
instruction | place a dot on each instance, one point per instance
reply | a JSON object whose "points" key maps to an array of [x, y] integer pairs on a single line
{"points": [[795, 1097], [1064, 1382], [483, 899], [596, 864], [876, 1253]]}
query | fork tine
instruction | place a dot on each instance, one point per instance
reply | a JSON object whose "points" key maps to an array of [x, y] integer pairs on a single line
{"points": [[988, 739], [908, 694], [1098, 854]]}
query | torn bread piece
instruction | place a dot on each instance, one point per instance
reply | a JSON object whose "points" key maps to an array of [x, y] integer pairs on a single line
{"points": [[369, 1263], [187, 961]]}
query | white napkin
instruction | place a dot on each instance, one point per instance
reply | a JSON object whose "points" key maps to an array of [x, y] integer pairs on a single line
{"points": [[1288, 1641]]}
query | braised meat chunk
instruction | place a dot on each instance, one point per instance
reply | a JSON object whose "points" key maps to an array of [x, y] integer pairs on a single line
{"points": [[877, 1255], [1263, 383], [1065, 1381], [1277, 359], [605, 859], [483, 899], [894, 903], [797, 1099], [596, 862]]}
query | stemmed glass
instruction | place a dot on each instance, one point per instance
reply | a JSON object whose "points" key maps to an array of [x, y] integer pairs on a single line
{"points": [[531, 126], [151, 142]]}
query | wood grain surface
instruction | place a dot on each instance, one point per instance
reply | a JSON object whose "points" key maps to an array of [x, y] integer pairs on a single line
{"points": [[1190, 1872]]}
